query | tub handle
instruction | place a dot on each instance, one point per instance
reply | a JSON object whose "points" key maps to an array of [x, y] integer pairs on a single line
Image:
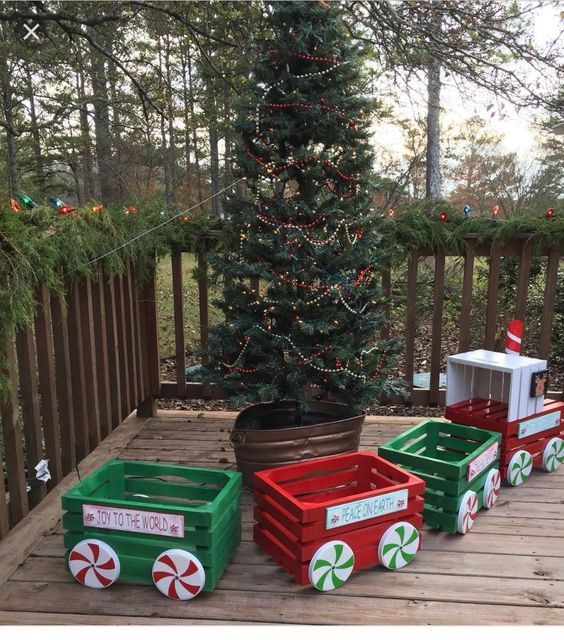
{"points": [[237, 439]]}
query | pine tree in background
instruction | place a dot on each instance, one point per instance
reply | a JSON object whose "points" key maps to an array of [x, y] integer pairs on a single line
{"points": [[305, 227]]}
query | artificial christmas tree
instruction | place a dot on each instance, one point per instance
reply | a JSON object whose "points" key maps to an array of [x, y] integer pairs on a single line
{"points": [[304, 227]]}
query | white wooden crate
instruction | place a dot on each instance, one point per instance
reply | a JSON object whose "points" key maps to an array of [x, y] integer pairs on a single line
{"points": [[497, 376]]}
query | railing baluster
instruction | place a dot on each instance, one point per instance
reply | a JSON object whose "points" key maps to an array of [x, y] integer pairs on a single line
{"points": [[131, 338], [466, 306], [550, 289], [90, 375], [179, 340], [204, 301], [113, 351], [523, 281], [437, 331], [27, 369], [47, 386], [410, 320], [13, 441], [102, 358], [63, 383], [493, 289], [126, 401]]}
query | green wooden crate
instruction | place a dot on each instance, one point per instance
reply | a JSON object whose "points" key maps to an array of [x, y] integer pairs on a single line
{"points": [[453, 460], [145, 509]]}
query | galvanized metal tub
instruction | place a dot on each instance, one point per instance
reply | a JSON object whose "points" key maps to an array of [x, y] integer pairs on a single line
{"points": [[262, 438]]}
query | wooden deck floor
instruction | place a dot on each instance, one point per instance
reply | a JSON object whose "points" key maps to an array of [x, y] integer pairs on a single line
{"points": [[508, 569]]}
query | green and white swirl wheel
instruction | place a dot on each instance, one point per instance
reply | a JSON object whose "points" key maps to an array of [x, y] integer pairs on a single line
{"points": [[519, 467], [467, 511], [398, 545], [491, 488], [553, 455], [331, 565]]}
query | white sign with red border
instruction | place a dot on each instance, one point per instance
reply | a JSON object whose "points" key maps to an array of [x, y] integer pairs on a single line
{"points": [[482, 461], [149, 522]]}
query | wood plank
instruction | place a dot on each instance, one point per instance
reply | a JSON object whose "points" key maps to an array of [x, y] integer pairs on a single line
{"points": [[21, 540], [437, 330], [11, 429], [90, 364], [102, 357], [131, 343], [520, 312], [124, 382], [491, 305], [78, 376], [29, 397], [63, 383], [114, 362], [377, 583], [179, 340], [47, 385], [149, 316], [466, 304], [550, 289], [410, 321], [296, 606], [204, 299], [44, 618]]}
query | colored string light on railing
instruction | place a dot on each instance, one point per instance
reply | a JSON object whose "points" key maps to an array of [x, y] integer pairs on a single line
{"points": [[15, 206], [549, 213]]}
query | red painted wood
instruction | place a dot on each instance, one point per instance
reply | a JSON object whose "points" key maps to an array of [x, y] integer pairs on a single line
{"points": [[276, 483]]}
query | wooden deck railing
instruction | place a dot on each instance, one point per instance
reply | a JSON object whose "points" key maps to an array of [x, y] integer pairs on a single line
{"points": [[520, 248], [84, 364], [88, 360]]}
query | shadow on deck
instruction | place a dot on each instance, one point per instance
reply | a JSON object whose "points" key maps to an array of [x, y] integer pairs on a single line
{"points": [[509, 569]]}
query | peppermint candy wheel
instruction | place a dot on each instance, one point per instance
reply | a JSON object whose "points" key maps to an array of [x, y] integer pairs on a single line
{"points": [[519, 467], [398, 545], [553, 455], [94, 564], [331, 565], [467, 511], [491, 488], [178, 574]]}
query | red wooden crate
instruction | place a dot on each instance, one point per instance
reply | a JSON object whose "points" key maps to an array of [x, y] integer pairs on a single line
{"points": [[292, 503]]}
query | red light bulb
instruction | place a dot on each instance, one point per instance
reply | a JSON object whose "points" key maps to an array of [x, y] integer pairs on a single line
{"points": [[443, 216], [549, 213]]}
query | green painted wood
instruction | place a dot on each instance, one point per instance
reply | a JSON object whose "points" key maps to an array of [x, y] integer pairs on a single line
{"points": [[209, 501]]}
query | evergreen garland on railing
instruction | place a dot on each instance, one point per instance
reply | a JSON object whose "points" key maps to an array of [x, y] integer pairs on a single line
{"points": [[40, 246]]}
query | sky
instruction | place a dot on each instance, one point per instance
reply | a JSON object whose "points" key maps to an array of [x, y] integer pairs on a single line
{"points": [[517, 128]]}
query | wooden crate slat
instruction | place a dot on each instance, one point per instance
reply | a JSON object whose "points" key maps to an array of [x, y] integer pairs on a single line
{"points": [[27, 369], [63, 383], [13, 440], [47, 385], [90, 364], [179, 339]]}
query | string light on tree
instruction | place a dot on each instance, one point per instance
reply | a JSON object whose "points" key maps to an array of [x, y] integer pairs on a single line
{"points": [[56, 202], [467, 211], [549, 213], [443, 216], [495, 211], [96, 208]]}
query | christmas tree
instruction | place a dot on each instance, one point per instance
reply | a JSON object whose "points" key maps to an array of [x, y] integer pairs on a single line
{"points": [[304, 227]]}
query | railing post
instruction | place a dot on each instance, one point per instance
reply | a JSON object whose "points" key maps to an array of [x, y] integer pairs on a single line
{"points": [[493, 289], [179, 340], [549, 300], [437, 330]]}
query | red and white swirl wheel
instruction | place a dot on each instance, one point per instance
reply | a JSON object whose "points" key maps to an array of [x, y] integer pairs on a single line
{"points": [[467, 511], [178, 574], [491, 488], [94, 564]]}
